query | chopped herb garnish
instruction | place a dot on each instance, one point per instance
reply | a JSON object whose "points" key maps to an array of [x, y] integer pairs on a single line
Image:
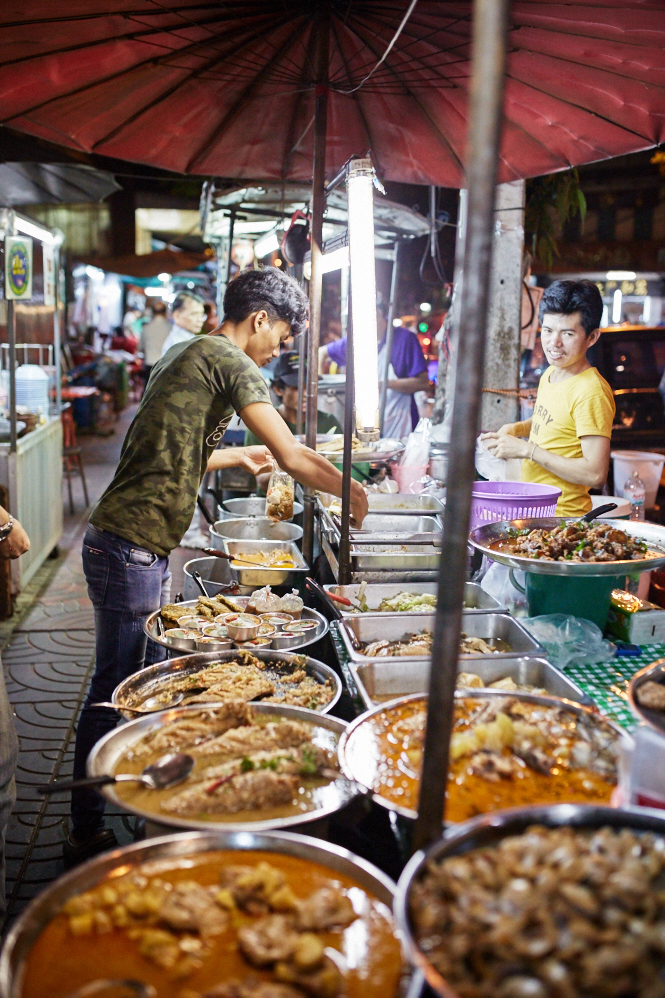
{"points": [[308, 767], [246, 765]]}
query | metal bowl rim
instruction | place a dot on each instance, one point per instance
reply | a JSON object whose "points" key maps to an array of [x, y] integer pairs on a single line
{"points": [[352, 789], [212, 529], [269, 652], [657, 666], [94, 870], [457, 836], [538, 698]]}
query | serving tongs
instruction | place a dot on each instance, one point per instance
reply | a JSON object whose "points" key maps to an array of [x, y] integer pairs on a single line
{"points": [[329, 600]]}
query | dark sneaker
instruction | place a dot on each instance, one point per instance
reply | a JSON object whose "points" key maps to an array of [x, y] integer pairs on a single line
{"points": [[75, 851]]}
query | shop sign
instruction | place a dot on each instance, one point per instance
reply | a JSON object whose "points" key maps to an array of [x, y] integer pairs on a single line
{"points": [[48, 250], [18, 268]]}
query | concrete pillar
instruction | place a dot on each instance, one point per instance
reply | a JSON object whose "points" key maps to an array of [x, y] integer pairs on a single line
{"points": [[503, 349]]}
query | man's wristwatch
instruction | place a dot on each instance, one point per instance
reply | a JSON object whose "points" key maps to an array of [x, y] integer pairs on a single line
{"points": [[6, 530]]}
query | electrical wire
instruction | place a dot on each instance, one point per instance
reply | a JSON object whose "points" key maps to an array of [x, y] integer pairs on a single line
{"points": [[387, 52], [432, 247]]}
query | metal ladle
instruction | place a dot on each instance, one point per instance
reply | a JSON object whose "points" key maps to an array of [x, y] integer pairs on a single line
{"points": [[166, 772], [149, 706], [94, 988]]}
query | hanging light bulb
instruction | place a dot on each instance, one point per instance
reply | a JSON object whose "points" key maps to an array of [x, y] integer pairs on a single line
{"points": [[360, 182]]}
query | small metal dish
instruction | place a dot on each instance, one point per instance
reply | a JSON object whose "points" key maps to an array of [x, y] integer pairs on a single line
{"points": [[282, 639], [258, 642], [266, 630], [193, 623], [183, 640], [211, 643], [215, 631], [242, 628], [299, 627], [277, 620]]}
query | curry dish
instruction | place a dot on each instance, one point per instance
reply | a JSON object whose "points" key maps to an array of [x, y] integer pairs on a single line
{"points": [[505, 752], [248, 766], [222, 925]]}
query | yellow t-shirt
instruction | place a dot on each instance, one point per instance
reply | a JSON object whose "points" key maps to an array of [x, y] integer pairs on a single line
{"points": [[580, 406]]}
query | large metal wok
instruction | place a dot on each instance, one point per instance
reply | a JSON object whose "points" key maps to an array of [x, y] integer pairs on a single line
{"points": [[483, 538]]}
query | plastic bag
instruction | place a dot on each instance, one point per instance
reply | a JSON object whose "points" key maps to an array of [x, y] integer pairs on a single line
{"points": [[496, 581], [570, 639], [416, 452], [642, 769], [280, 496], [496, 469]]}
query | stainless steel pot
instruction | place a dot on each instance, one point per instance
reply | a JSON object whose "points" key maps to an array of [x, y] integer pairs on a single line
{"points": [[46, 906], [253, 506], [248, 528], [152, 680], [108, 752], [352, 762], [488, 830]]}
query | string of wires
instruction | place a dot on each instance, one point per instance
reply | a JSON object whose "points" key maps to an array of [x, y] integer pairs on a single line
{"points": [[432, 248]]}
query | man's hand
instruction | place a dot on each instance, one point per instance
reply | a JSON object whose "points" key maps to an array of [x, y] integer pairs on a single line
{"points": [[257, 460], [359, 504], [503, 444]]}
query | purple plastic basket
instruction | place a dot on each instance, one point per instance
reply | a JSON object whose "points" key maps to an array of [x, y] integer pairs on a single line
{"points": [[494, 501]]}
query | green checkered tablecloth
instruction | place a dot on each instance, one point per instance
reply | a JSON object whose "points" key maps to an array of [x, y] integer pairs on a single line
{"points": [[606, 683]]}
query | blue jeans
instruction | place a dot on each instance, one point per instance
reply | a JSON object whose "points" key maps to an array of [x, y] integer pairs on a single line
{"points": [[125, 585]]}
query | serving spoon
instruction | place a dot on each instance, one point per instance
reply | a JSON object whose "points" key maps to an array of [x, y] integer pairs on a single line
{"points": [[137, 988], [166, 772], [151, 705]]}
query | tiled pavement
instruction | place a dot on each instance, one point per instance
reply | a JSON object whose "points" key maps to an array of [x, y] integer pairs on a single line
{"points": [[48, 661]]}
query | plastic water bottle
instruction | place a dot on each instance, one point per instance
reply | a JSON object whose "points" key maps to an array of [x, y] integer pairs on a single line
{"points": [[634, 491]]}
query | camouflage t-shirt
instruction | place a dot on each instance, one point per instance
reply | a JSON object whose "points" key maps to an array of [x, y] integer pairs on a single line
{"points": [[192, 393]]}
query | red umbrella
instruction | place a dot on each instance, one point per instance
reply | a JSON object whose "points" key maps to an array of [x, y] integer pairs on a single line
{"points": [[228, 89]]}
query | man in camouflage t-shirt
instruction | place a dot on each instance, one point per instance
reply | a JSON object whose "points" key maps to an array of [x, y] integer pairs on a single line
{"points": [[192, 393]]}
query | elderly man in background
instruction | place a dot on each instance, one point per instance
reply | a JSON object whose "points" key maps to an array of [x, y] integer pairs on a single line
{"points": [[153, 337], [188, 317]]}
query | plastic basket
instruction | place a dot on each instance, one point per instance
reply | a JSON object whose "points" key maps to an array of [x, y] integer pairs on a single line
{"points": [[494, 501]]}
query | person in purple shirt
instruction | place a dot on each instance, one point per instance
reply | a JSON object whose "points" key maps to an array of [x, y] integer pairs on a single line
{"points": [[407, 373]]}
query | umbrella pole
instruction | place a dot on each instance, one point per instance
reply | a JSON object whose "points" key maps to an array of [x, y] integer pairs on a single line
{"points": [[344, 564], [490, 21], [322, 28], [389, 339]]}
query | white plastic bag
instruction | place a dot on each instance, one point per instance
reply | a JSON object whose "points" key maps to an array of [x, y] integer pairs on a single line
{"points": [[416, 452], [496, 469], [497, 583], [570, 639]]}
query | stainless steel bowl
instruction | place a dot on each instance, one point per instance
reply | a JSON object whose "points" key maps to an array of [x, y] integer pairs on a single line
{"points": [[109, 750], [350, 763], [152, 680], [490, 829], [243, 630], [259, 528], [45, 907], [656, 673], [302, 641], [212, 643], [253, 506], [482, 538]]}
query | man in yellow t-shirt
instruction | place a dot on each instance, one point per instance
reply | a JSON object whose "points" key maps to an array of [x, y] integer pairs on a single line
{"points": [[568, 443]]}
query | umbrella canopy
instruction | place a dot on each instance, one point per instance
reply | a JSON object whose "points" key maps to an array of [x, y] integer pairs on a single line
{"points": [[228, 89], [148, 264], [53, 183]]}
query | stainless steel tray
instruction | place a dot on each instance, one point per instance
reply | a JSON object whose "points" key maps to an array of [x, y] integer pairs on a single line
{"points": [[391, 523], [476, 600], [150, 628], [392, 556], [178, 849], [403, 505], [108, 751], [656, 673], [382, 450], [253, 528], [393, 627], [653, 535], [487, 831], [253, 506], [257, 577], [383, 679], [358, 764], [150, 682]]}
